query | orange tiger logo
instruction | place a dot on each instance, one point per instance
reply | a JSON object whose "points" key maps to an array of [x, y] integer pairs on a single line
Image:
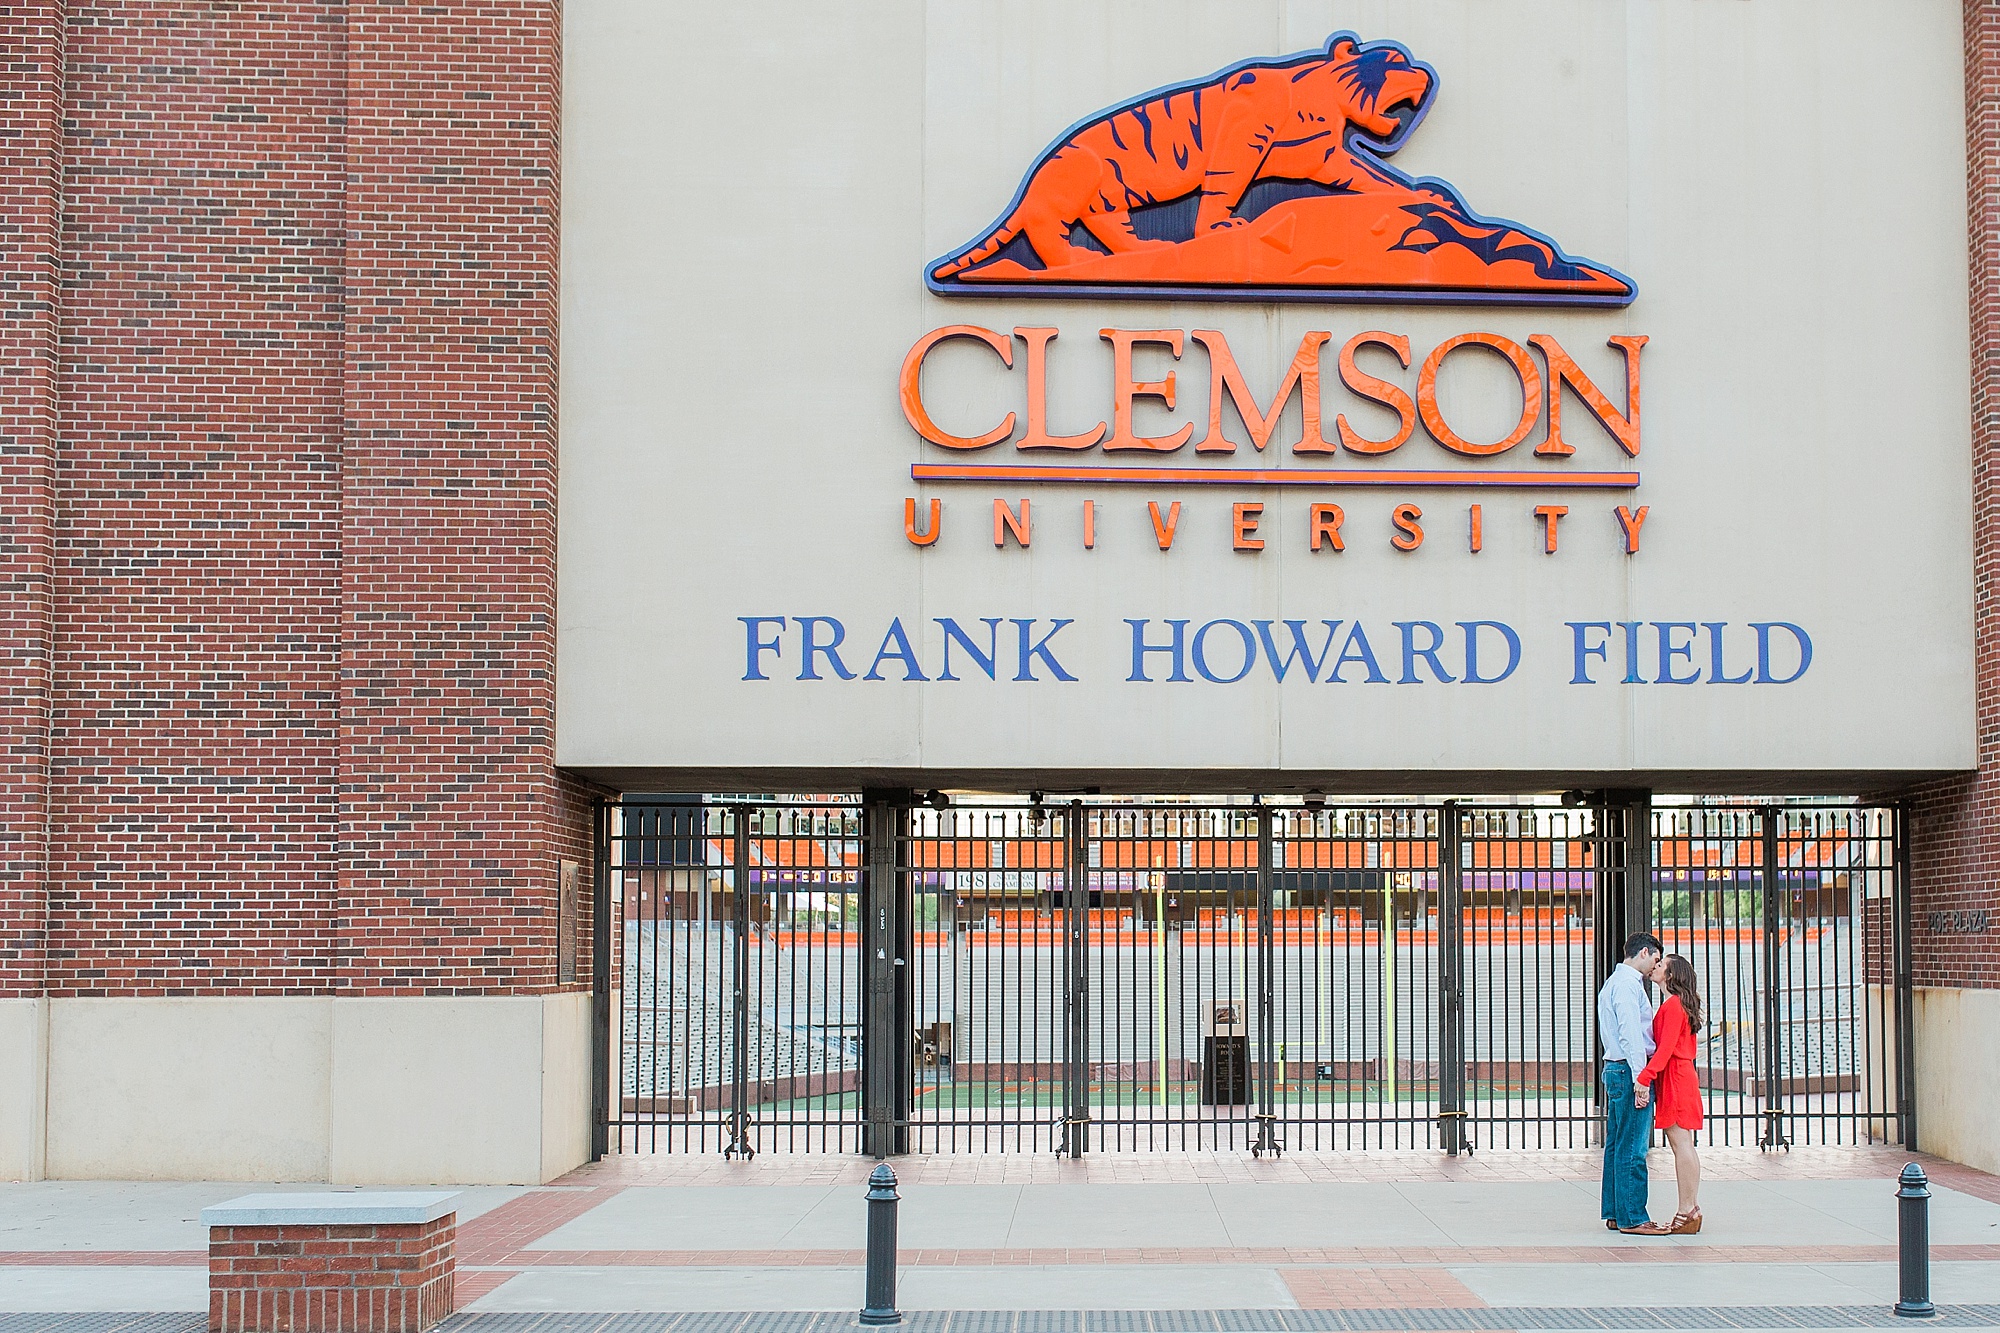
{"points": [[1163, 196]]}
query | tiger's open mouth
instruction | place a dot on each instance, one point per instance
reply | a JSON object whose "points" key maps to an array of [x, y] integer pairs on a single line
{"points": [[1403, 113]]}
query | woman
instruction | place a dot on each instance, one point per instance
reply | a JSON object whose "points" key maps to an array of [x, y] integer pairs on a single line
{"points": [[1670, 1073]]}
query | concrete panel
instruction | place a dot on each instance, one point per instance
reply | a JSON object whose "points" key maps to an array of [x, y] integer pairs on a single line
{"points": [[1958, 1080], [437, 1090], [188, 1089], [24, 1087], [565, 1083], [737, 306]]}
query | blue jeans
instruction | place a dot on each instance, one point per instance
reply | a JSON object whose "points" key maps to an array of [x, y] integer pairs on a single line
{"points": [[1628, 1132]]}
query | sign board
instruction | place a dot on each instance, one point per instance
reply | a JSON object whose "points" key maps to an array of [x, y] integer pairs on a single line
{"points": [[1488, 393]]}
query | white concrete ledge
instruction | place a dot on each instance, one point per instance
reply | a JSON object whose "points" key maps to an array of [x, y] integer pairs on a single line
{"points": [[381, 1208]]}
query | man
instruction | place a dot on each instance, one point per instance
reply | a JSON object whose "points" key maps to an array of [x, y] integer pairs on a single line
{"points": [[1625, 1026]]}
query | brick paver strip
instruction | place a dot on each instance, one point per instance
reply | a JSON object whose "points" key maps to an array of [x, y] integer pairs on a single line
{"points": [[1659, 1252], [474, 1283], [1420, 1320], [105, 1323], [1662, 1252], [500, 1231], [1377, 1288], [104, 1258]]}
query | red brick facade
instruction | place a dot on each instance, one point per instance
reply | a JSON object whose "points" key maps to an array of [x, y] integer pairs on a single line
{"points": [[30, 173], [277, 553], [337, 1279], [277, 505], [1955, 826]]}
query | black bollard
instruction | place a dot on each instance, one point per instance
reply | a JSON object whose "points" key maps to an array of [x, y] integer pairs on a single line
{"points": [[1913, 1243], [881, 1282]]}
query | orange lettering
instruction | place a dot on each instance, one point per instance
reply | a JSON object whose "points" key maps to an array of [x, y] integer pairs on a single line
{"points": [[1090, 525], [1550, 516], [1038, 436], [1243, 520], [1375, 391], [929, 534], [1324, 520], [1409, 533], [1225, 377], [1478, 529], [912, 391], [1624, 426], [1124, 390], [1631, 523], [1004, 522], [1531, 393], [1163, 529]]}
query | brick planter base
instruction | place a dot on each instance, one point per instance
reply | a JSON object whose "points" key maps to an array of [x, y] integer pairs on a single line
{"points": [[314, 1267]]}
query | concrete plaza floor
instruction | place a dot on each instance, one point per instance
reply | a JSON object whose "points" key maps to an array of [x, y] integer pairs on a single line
{"points": [[1216, 1242]]}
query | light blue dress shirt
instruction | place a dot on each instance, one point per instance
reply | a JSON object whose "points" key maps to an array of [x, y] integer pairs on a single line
{"points": [[1625, 1018]]}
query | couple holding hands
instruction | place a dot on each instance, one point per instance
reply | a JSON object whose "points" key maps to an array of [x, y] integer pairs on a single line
{"points": [[1649, 1080]]}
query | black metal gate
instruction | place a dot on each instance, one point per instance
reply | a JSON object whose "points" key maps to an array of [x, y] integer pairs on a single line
{"points": [[887, 976]]}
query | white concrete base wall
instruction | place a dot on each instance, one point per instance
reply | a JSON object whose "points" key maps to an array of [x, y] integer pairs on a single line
{"points": [[355, 1091], [1958, 1074], [24, 1088]]}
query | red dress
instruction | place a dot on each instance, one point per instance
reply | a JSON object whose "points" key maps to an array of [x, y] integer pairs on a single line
{"points": [[1676, 1095]]}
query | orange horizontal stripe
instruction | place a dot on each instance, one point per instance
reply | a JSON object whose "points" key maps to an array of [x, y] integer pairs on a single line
{"points": [[1295, 476]]}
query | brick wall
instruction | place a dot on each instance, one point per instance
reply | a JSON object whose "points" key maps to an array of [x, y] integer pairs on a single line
{"points": [[447, 656], [388, 1278], [293, 325], [1955, 825], [30, 177]]}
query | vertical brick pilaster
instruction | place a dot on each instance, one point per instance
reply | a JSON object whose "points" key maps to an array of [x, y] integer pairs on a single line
{"points": [[31, 109], [450, 798], [1955, 833], [196, 564]]}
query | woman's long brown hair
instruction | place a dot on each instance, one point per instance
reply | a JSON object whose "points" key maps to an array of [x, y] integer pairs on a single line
{"points": [[1681, 984]]}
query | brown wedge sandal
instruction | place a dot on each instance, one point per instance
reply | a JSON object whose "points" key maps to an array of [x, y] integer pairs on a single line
{"points": [[1686, 1224]]}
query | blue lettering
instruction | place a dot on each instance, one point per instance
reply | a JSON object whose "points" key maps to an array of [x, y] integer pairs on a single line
{"points": [[1411, 652], [984, 661], [1582, 651], [1632, 628], [755, 645], [1140, 648], [1201, 653], [1669, 650], [1717, 673], [1472, 628], [1032, 648], [1299, 651], [901, 651], [1356, 639], [1764, 628], [810, 647]]}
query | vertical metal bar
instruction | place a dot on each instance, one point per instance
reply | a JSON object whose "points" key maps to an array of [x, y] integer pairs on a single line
{"points": [[1076, 897], [1774, 1070], [1451, 980], [878, 1011], [600, 981], [739, 997], [1906, 1019], [1267, 1054]]}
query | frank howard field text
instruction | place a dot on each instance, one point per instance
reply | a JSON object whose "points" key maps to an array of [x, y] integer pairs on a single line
{"points": [[1226, 651]]}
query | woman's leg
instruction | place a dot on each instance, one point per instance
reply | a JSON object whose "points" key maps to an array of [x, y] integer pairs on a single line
{"points": [[1687, 1168]]}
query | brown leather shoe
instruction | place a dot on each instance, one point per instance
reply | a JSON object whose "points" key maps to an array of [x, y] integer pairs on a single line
{"points": [[1647, 1229], [1610, 1224], [1686, 1224]]}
